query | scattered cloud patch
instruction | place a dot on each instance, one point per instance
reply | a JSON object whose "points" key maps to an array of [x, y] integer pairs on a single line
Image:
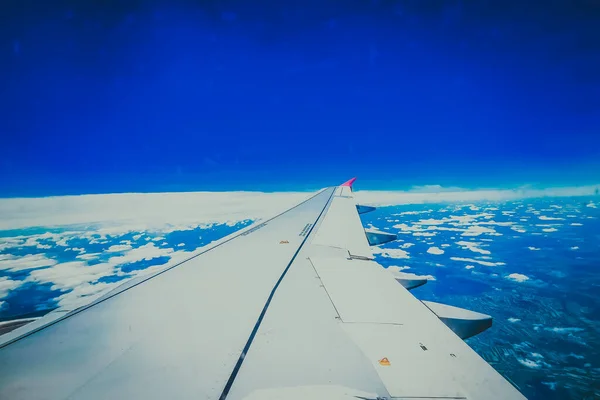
{"points": [[31, 261], [435, 250], [118, 247], [413, 212], [534, 248], [517, 277], [472, 260], [425, 234], [513, 320], [473, 246], [6, 285], [390, 253], [396, 268], [407, 275], [530, 363], [564, 330], [546, 218]]}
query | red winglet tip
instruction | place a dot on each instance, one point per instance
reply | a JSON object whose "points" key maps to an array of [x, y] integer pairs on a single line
{"points": [[349, 183]]}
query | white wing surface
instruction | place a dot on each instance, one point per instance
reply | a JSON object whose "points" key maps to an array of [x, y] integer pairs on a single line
{"points": [[291, 308]]}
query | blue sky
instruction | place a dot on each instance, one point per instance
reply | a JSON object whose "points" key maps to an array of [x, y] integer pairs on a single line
{"points": [[222, 95]]}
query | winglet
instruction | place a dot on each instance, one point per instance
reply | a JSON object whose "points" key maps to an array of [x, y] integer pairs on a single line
{"points": [[349, 183]]}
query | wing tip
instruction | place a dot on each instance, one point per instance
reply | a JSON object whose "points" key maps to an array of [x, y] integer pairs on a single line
{"points": [[349, 182]]}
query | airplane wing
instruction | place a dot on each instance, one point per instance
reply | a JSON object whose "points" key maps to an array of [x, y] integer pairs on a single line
{"points": [[294, 307]]}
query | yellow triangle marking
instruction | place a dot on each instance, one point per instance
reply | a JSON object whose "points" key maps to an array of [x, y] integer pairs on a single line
{"points": [[385, 362]]}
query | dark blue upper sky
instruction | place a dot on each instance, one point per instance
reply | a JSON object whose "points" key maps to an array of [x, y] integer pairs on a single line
{"points": [[111, 96]]}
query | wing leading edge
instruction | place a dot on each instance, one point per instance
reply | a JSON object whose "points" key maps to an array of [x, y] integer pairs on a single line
{"points": [[294, 307]]}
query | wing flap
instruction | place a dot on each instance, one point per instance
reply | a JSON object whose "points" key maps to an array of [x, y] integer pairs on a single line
{"points": [[359, 290]]}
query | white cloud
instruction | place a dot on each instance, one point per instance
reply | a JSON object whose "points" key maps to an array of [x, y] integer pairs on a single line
{"points": [[395, 268], [390, 253], [564, 330], [89, 256], [513, 320], [413, 212], [438, 194], [31, 261], [591, 204], [471, 260], [469, 267], [145, 252], [466, 224], [407, 275], [517, 277], [576, 224], [473, 246], [545, 218], [435, 250], [70, 275], [549, 229], [82, 279], [89, 291], [138, 211], [476, 230], [118, 247], [529, 363], [574, 247], [425, 234], [6, 285], [533, 248]]}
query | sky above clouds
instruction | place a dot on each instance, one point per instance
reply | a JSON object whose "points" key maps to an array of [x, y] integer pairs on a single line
{"points": [[101, 97]]}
